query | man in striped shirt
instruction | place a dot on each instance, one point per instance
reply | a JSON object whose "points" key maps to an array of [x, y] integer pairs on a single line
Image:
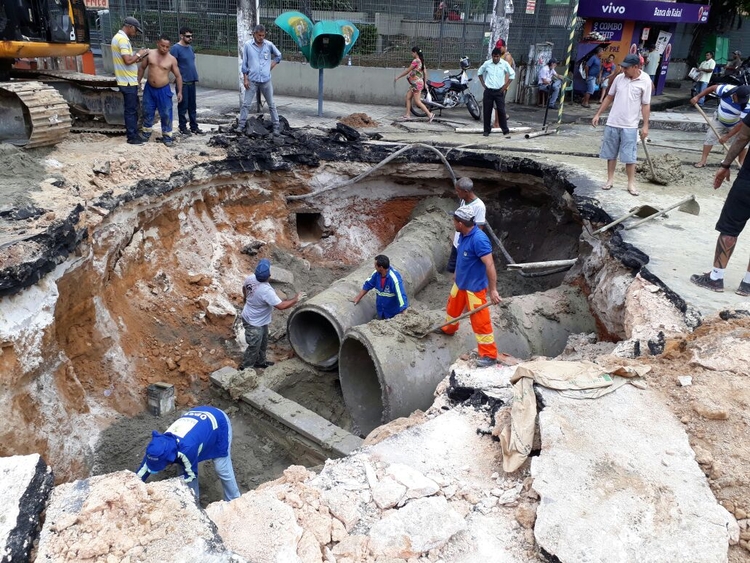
{"points": [[389, 289], [126, 74], [727, 120]]}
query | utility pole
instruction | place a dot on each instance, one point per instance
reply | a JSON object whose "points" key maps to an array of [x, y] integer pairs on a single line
{"points": [[248, 16]]}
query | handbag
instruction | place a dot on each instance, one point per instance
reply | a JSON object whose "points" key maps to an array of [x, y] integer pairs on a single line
{"points": [[694, 74]]}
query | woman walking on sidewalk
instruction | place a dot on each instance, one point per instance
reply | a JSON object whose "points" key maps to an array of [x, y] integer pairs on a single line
{"points": [[415, 74]]}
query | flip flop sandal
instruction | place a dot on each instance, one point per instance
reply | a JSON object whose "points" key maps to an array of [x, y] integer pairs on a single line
{"points": [[432, 116], [607, 186], [699, 165], [634, 192]]}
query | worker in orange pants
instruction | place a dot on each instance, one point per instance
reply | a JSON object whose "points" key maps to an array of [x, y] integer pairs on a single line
{"points": [[475, 274]]}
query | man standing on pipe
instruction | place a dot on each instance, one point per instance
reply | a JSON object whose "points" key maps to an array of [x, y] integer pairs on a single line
{"points": [[390, 294], [475, 273], [465, 191], [260, 301]]}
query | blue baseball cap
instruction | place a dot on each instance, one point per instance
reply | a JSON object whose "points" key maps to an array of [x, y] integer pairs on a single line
{"points": [[263, 270], [160, 452]]}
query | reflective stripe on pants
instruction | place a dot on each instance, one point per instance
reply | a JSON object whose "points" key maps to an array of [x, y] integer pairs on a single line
{"points": [[481, 323]]}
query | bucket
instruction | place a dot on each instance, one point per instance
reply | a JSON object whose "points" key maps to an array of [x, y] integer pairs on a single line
{"points": [[160, 398]]}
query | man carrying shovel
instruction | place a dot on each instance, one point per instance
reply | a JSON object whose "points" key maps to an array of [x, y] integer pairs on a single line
{"points": [[726, 121], [734, 216], [475, 274]]}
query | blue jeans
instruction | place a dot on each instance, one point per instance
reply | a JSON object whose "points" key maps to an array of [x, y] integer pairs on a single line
{"points": [[157, 99], [187, 105], [266, 88], [702, 86], [553, 89], [130, 110], [224, 470]]}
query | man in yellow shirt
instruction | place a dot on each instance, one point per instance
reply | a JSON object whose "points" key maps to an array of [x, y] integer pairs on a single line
{"points": [[126, 74]]}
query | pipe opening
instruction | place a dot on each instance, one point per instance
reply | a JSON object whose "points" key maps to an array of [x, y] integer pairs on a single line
{"points": [[314, 338], [362, 390], [309, 226]]}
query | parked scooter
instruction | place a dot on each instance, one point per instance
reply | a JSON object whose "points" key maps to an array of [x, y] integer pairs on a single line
{"points": [[450, 93]]}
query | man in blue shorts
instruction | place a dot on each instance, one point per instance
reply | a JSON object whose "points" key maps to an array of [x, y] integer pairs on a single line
{"points": [[629, 95], [593, 70], [157, 94], [733, 218]]}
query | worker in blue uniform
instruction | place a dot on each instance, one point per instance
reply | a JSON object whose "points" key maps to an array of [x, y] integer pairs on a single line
{"points": [[201, 433], [390, 294]]}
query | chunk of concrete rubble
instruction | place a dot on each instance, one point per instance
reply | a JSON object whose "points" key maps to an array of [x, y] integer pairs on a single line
{"points": [[118, 517], [281, 275], [418, 527], [258, 526], [25, 485], [722, 352], [619, 482], [417, 485], [388, 493]]}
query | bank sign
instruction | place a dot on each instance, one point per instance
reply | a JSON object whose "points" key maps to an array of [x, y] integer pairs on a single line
{"points": [[644, 11]]}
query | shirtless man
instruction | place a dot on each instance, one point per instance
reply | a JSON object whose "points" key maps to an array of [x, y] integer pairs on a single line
{"points": [[157, 94]]}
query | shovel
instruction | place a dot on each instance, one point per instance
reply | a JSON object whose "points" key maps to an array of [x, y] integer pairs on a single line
{"points": [[687, 205], [711, 125], [446, 323], [639, 211], [654, 178]]}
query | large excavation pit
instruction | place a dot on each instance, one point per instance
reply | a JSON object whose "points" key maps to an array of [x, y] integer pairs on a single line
{"points": [[150, 292]]}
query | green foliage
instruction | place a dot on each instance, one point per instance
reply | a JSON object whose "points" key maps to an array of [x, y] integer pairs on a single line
{"points": [[368, 36]]}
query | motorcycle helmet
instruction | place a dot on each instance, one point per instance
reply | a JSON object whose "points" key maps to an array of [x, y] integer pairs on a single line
{"points": [[465, 63]]}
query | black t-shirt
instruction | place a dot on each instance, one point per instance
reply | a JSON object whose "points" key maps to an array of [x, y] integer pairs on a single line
{"points": [[745, 170]]}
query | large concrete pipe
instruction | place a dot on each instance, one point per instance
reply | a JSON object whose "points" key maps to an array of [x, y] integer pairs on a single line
{"points": [[386, 374], [419, 250]]}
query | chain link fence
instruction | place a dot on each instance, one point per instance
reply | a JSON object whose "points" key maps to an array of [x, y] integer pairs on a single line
{"points": [[445, 30]]}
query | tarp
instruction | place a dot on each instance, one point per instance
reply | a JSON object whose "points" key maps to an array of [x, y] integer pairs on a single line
{"points": [[576, 380]]}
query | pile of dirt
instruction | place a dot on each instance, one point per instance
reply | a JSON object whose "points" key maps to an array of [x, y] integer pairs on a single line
{"points": [[668, 169], [359, 121]]}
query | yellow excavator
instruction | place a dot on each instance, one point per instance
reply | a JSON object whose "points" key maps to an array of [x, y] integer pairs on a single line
{"points": [[36, 105]]}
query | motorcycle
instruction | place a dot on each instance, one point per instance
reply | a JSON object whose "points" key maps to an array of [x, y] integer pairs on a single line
{"points": [[452, 92]]}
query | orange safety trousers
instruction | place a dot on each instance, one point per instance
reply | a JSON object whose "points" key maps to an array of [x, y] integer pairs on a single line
{"points": [[481, 323]]}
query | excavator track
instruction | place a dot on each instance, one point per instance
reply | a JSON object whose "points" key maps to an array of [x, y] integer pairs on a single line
{"points": [[34, 114]]}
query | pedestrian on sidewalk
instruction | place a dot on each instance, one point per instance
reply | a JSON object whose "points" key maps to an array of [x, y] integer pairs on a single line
{"points": [[260, 300], [733, 218], [157, 93], [593, 70], [495, 76], [630, 96], [727, 120], [259, 58], [609, 71], [415, 75], [508, 58], [652, 63], [390, 293], [183, 52], [475, 278], [551, 82], [707, 69], [201, 433], [465, 192], [126, 74]]}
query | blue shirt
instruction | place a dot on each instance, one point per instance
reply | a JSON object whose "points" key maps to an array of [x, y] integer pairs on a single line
{"points": [[185, 62], [593, 65], [471, 273], [494, 74], [256, 61], [390, 297], [201, 433]]}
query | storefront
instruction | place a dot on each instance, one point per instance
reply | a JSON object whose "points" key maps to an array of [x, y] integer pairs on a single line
{"points": [[627, 26]]}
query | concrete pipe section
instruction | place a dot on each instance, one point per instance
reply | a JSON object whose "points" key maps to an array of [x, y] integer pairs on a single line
{"points": [[386, 374], [419, 250]]}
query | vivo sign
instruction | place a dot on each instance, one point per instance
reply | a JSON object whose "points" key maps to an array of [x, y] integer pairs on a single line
{"points": [[644, 10], [612, 9]]}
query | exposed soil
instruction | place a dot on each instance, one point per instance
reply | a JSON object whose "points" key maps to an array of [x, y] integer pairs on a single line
{"points": [[359, 121]]}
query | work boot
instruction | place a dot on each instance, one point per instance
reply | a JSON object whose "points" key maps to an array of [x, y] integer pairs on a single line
{"points": [[185, 132], [263, 365], [485, 362], [198, 131], [744, 289], [145, 137], [167, 140], [276, 131], [136, 141], [705, 281]]}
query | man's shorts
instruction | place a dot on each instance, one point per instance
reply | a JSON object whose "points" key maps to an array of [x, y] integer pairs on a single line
{"points": [[736, 210], [711, 138], [622, 142], [590, 85]]}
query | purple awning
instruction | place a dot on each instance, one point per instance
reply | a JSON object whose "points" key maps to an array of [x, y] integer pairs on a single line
{"points": [[643, 10]]}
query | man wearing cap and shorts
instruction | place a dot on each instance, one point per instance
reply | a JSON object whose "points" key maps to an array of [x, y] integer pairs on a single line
{"points": [[475, 275], [201, 433], [727, 119], [733, 218], [126, 74], [465, 192], [629, 95], [260, 301], [550, 81]]}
